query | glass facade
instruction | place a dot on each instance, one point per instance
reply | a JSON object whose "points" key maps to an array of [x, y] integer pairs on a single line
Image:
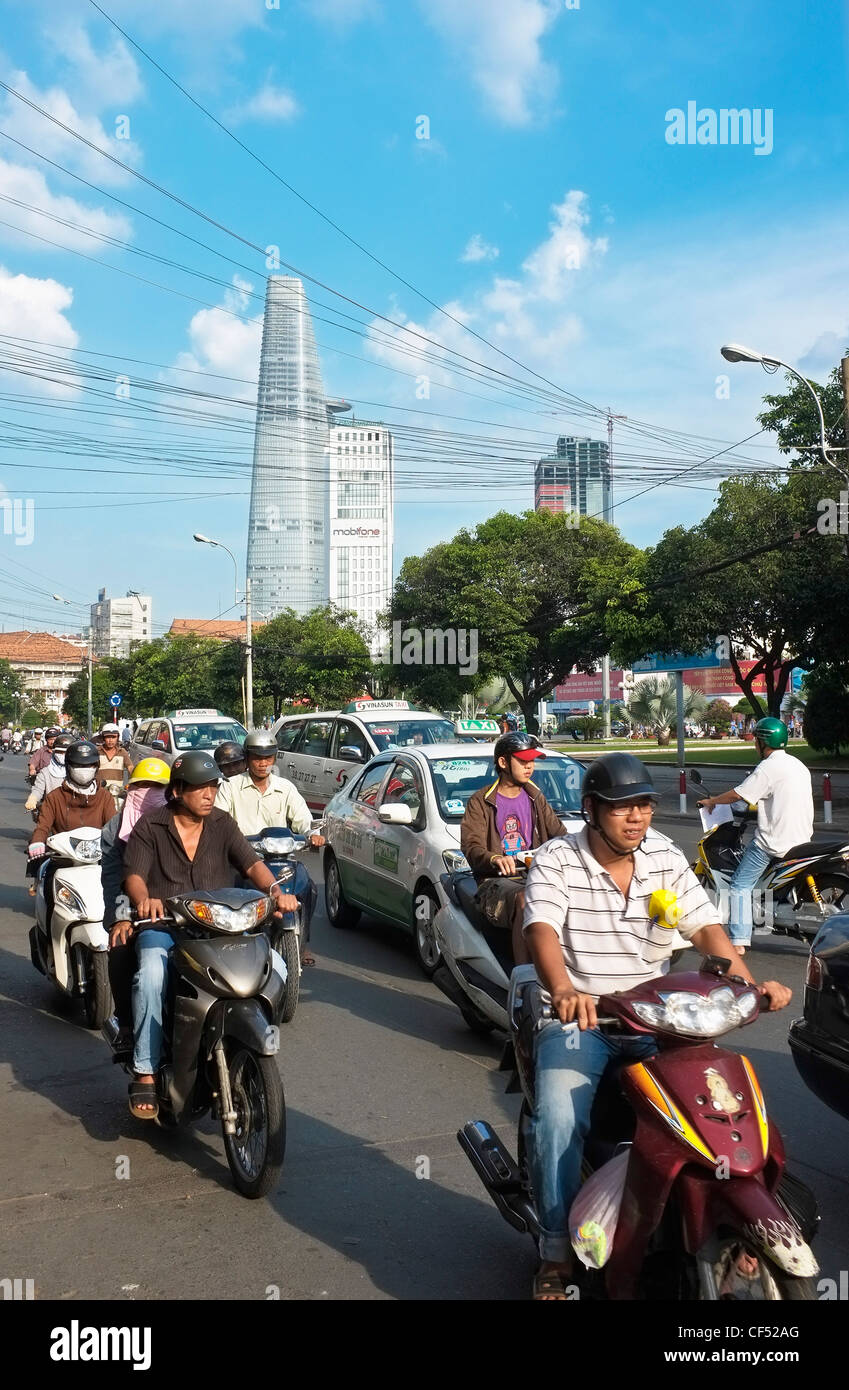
{"points": [[575, 478], [287, 527]]}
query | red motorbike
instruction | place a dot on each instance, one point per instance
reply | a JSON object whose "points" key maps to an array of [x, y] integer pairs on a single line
{"points": [[706, 1183]]}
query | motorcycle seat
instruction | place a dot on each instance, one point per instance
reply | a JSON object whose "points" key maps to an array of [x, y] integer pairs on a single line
{"points": [[811, 848], [466, 888]]}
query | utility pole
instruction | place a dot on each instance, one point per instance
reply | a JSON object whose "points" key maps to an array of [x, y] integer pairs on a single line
{"points": [[844, 376], [608, 516], [90, 660], [249, 658]]}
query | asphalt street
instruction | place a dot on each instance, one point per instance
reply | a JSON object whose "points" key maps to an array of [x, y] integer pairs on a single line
{"points": [[379, 1072]]}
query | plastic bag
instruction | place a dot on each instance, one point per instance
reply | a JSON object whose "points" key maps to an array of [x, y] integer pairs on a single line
{"points": [[595, 1211]]}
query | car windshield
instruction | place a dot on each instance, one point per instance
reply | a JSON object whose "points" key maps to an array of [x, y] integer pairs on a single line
{"points": [[207, 735], [455, 780], [407, 733]]}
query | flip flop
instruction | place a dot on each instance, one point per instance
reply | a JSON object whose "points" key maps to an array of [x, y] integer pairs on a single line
{"points": [[143, 1091], [307, 959], [552, 1287]]}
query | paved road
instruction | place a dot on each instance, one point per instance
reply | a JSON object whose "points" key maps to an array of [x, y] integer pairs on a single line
{"points": [[379, 1072]]}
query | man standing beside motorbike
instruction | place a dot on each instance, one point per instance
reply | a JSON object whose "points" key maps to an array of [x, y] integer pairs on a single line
{"points": [[500, 820], [187, 844], [589, 931], [781, 787], [259, 799]]}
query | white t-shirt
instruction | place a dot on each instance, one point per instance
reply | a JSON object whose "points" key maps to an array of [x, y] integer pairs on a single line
{"points": [[781, 786]]}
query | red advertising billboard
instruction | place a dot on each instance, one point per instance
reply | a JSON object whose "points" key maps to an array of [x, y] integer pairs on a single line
{"points": [[719, 681], [580, 686]]}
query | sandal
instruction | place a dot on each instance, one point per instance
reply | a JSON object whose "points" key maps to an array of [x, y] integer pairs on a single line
{"points": [[307, 958], [143, 1091], [553, 1287]]}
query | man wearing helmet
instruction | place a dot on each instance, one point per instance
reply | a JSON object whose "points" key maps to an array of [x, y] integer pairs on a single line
{"points": [[78, 800], [501, 820], [258, 799], [185, 844], [41, 756], [230, 758], [781, 787], [589, 930]]}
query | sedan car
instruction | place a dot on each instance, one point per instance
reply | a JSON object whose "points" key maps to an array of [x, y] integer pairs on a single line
{"points": [[394, 829], [180, 730], [819, 1041]]}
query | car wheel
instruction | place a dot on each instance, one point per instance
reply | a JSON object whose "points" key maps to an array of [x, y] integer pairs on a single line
{"points": [[427, 952], [339, 910]]}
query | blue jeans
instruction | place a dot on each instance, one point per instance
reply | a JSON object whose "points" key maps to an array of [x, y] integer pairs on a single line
{"points": [[743, 880], [567, 1079], [149, 989]]}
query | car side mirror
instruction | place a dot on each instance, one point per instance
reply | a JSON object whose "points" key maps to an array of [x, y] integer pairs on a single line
{"points": [[395, 813], [159, 744], [695, 776], [349, 754]]}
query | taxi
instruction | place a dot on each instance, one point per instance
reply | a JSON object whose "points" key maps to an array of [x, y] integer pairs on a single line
{"points": [[180, 730], [394, 829], [321, 751]]}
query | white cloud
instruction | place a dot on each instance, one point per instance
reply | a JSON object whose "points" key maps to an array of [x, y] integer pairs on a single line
{"points": [[268, 103], [500, 44], [479, 250], [551, 267], [108, 78], [30, 186], [205, 24], [225, 344], [824, 354], [32, 308], [25, 124]]}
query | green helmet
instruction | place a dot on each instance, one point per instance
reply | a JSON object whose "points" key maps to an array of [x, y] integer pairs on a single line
{"points": [[771, 732]]}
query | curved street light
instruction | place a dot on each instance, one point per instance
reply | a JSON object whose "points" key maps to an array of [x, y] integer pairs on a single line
{"points": [[736, 352]]}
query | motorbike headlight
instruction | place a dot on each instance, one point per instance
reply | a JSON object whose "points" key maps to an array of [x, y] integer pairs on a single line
{"points": [[699, 1015], [231, 919], [455, 861], [276, 847], [68, 898], [86, 849]]}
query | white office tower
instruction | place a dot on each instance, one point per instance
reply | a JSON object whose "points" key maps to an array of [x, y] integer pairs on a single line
{"points": [[120, 624], [287, 528], [361, 512]]}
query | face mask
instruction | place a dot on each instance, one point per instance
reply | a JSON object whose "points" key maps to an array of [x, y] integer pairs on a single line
{"points": [[60, 757], [80, 776]]}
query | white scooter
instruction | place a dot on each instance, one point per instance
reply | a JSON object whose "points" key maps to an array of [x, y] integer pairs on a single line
{"points": [[69, 943]]}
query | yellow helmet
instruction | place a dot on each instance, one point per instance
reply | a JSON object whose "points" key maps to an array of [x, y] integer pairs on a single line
{"points": [[151, 770]]}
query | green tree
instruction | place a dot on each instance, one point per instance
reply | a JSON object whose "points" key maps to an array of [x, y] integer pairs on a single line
{"points": [[654, 703], [718, 714], [11, 689], [185, 670], [322, 657], [826, 720], [794, 419], [534, 588]]}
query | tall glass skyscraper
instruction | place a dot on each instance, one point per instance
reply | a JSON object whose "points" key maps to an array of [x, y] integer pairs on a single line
{"points": [[288, 553], [576, 478]]}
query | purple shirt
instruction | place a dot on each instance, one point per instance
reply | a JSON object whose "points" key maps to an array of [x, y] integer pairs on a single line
{"points": [[514, 817]]}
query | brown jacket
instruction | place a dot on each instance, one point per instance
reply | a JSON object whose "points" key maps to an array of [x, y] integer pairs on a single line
{"points": [[479, 837], [63, 809]]}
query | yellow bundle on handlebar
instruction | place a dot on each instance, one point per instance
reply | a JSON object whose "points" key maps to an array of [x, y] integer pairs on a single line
{"points": [[664, 909]]}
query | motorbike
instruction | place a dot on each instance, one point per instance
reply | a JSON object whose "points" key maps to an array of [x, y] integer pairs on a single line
{"points": [[278, 846], [793, 895], [220, 1039], [705, 1180], [68, 942]]}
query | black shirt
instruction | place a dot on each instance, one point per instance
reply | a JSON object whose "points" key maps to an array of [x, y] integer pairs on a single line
{"points": [[155, 851]]}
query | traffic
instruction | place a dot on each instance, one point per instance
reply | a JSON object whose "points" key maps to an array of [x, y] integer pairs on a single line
{"points": [[173, 904]]}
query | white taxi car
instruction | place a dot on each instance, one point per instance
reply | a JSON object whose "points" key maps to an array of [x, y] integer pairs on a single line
{"points": [[321, 751], [394, 830], [179, 730]]}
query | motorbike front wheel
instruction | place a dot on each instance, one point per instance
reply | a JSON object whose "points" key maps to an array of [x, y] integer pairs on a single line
{"points": [[288, 945], [255, 1152], [723, 1280], [97, 1000]]}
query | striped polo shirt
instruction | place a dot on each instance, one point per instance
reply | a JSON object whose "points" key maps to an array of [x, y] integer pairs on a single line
{"points": [[609, 942]]}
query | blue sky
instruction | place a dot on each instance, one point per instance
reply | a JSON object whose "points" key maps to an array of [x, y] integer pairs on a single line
{"points": [[547, 211]]}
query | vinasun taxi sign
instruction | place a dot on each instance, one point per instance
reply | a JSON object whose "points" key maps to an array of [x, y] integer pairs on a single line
{"points": [[377, 706]]}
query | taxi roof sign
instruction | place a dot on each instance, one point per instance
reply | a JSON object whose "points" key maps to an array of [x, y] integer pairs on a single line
{"points": [[192, 714], [485, 727], [378, 706]]}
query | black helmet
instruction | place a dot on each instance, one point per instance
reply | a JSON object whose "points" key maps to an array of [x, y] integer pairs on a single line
{"points": [[515, 745], [52, 732], [510, 720], [617, 777], [82, 754], [195, 769], [260, 744], [62, 742], [228, 753]]}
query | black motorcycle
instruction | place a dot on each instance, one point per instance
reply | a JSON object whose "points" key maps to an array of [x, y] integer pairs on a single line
{"points": [[278, 846], [219, 1030]]}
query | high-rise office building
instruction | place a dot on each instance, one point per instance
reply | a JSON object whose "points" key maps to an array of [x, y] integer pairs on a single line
{"points": [[361, 511], [287, 527], [118, 624], [576, 477]]}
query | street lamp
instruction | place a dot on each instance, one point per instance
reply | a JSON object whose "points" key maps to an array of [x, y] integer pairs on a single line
{"points": [[60, 599], [736, 352], [249, 660]]}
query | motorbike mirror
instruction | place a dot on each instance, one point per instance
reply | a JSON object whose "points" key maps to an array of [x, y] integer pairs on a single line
{"points": [[695, 776]]}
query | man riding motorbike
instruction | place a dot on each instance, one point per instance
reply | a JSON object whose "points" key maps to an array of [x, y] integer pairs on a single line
{"points": [[51, 775], [781, 787], [41, 756], [115, 761], [230, 757], [186, 844], [589, 931], [258, 798], [146, 792], [78, 801], [500, 820]]}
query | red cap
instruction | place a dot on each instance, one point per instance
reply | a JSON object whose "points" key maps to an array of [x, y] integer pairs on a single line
{"points": [[527, 755]]}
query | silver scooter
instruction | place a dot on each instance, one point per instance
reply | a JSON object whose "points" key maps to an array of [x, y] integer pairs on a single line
{"points": [[69, 943]]}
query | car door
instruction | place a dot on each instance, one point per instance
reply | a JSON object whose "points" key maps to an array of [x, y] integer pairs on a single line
{"points": [[355, 850], [288, 736], [307, 762], [347, 733], [397, 850], [139, 747]]}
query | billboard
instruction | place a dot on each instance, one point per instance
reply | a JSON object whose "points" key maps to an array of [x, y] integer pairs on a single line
{"points": [[676, 661], [720, 682], [580, 687]]}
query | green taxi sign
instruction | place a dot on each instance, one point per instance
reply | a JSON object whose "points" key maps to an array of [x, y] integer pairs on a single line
{"points": [[476, 726]]}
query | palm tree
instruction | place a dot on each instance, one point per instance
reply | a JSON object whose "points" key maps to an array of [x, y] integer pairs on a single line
{"points": [[654, 704]]}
